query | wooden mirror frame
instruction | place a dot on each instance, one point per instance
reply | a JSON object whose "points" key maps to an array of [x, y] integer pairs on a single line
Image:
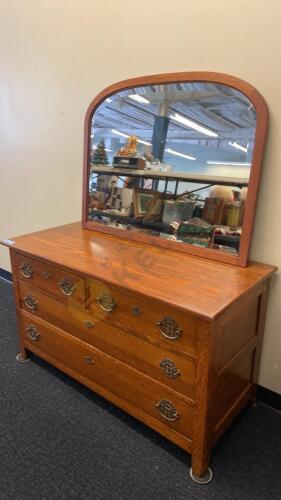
{"points": [[255, 173]]}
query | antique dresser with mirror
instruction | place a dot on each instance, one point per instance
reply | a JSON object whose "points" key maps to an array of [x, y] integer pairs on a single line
{"points": [[151, 302]]}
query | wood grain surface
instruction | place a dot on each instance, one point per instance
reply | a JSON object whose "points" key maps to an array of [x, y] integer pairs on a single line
{"points": [[133, 386], [142, 354], [219, 308], [201, 286]]}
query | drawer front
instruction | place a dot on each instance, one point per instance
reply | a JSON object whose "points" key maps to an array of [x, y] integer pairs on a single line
{"points": [[176, 328], [47, 277], [151, 397], [70, 314], [148, 356]]}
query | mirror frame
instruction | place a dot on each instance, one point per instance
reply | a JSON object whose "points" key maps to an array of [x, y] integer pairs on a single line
{"points": [[255, 173]]}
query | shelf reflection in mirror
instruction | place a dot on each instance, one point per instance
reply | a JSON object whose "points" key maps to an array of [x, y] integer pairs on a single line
{"points": [[173, 161]]}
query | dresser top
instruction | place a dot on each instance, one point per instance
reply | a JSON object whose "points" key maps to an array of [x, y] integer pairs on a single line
{"points": [[202, 286]]}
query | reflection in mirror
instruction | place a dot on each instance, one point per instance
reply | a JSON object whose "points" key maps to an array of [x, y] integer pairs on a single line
{"points": [[173, 161]]}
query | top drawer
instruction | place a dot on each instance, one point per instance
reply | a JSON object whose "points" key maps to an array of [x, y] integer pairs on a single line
{"points": [[142, 315], [49, 278]]}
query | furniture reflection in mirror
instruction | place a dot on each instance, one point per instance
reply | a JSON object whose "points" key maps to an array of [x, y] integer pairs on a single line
{"points": [[187, 149]]}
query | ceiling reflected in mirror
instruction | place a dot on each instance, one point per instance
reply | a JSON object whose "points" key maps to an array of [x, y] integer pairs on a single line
{"points": [[196, 126]]}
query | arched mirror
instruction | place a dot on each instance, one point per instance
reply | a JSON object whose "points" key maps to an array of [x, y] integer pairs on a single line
{"points": [[174, 160]]}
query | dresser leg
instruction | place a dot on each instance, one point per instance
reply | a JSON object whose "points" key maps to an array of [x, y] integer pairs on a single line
{"points": [[200, 471], [204, 479], [253, 401], [22, 357]]}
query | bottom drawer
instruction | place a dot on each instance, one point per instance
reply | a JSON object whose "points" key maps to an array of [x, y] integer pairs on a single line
{"points": [[125, 382]]}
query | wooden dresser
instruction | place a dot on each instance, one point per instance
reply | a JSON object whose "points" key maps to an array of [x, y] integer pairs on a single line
{"points": [[172, 339]]}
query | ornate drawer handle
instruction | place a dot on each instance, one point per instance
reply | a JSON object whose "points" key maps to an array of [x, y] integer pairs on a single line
{"points": [[88, 324], [46, 275], [167, 410], [169, 367], [169, 328], [89, 360], [106, 302], [67, 286], [26, 270], [32, 332], [30, 301]]}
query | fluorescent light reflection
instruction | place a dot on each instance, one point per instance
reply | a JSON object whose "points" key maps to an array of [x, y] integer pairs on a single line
{"points": [[189, 123], [238, 146], [144, 142], [169, 150], [139, 98], [117, 132], [177, 153], [242, 164]]}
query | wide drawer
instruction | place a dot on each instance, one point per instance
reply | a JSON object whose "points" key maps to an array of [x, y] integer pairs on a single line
{"points": [[69, 314], [49, 278], [148, 317], [137, 389], [148, 356]]}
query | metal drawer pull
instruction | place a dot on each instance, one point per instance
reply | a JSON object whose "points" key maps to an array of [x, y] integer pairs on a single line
{"points": [[169, 367], [106, 302], [88, 324], [167, 410], [89, 360], [67, 286], [30, 302], [169, 328], [136, 311], [32, 332], [46, 275], [26, 270]]}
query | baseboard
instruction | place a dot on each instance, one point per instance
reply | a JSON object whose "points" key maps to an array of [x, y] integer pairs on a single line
{"points": [[269, 397], [6, 275]]}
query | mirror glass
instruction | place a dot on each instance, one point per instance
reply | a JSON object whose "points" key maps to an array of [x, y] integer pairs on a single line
{"points": [[173, 161]]}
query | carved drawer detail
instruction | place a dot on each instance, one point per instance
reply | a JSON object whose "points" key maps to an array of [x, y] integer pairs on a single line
{"points": [[26, 269], [106, 302], [30, 302], [169, 328], [66, 286], [32, 332], [167, 410], [169, 368]]}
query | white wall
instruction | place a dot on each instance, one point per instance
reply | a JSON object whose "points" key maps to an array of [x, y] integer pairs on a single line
{"points": [[56, 55]]}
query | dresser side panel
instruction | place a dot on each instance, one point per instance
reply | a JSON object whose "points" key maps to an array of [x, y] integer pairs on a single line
{"points": [[238, 341]]}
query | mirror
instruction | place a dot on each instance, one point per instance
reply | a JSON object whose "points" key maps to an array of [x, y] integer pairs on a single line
{"points": [[171, 162]]}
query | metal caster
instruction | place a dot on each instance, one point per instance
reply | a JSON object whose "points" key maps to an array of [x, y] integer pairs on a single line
{"points": [[208, 476], [21, 359]]}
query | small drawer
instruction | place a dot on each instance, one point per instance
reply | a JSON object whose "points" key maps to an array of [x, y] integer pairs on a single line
{"points": [[47, 277], [137, 389], [62, 310], [178, 329]]}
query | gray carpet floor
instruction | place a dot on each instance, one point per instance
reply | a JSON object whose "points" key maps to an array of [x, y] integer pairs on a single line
{"points": [[58, 440]]}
